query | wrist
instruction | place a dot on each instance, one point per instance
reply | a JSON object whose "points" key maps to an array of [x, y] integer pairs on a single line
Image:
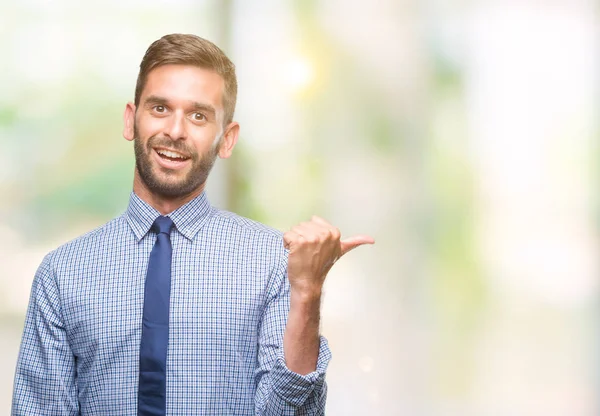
{"points": [[306, 295]]}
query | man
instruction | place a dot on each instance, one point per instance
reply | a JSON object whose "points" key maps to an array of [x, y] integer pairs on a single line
{"points": [[175, 307]]}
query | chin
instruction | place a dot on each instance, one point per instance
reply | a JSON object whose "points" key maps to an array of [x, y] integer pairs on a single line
{"points": [[175, 189]]}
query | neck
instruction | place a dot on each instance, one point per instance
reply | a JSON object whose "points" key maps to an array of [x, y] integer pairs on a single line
{"points": [[162, 204]]}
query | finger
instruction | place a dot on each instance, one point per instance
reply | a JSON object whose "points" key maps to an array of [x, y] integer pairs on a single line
{"points": [[351, 243], [310, 231], [299, 229], [321, 221], [334, 230], [316, 231], [289, 238]]}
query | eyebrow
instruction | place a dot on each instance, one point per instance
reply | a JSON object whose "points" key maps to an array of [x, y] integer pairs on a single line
{"points": [[156, 100]]}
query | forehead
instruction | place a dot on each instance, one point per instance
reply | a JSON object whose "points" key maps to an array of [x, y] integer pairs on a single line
{"points": [[185, 83]]}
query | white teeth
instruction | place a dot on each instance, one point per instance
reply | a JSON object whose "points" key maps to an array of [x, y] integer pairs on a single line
{"points": [[170, 154]]}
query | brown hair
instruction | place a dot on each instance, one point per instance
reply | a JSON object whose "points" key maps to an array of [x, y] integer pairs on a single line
{"points": [[190, 50]]}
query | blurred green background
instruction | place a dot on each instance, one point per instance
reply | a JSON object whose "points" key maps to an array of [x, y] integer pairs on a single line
{"points": [[462, 135]]}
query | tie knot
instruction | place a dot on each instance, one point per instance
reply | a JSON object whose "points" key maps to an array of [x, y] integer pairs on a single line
{"points": [[162, 225]]}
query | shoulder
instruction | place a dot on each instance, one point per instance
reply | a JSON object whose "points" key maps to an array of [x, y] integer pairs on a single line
{"points": [[96, 240], [234, 222], [255, 239]]}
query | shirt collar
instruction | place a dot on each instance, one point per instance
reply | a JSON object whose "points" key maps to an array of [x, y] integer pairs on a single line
{"points": [[188, 218]]}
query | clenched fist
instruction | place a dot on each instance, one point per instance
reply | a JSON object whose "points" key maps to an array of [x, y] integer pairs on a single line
{"points": [[314, 247]]}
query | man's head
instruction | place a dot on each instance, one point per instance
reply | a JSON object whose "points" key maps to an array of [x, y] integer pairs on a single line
{"points": [[181, 119], [178, 49]]}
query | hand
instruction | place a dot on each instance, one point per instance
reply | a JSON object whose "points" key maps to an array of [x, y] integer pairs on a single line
{"points": [[314, 247]]}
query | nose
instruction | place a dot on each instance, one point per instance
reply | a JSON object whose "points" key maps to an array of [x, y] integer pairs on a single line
{"points": [[175, 127]]}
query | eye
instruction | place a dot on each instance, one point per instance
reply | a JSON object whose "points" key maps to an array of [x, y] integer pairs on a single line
{"points": [[159, 108], [199, 117]]}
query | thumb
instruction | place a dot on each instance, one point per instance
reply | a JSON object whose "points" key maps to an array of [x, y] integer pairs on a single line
{"points": [[351, 243]]}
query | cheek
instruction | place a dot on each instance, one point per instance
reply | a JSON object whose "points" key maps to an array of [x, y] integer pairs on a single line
{"points": [[149, 126], [204, 139]]}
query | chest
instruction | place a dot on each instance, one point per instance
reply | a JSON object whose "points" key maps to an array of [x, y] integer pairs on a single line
{"points": [[217, 296]]}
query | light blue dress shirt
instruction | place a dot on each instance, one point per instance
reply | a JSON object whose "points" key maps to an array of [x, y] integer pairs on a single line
{"points": [[229, 303]]}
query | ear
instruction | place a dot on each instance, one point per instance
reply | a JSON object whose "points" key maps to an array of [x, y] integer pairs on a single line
{"points": [[129, 121], [230, 138]]}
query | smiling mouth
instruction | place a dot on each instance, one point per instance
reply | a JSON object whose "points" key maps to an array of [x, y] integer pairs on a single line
{"points": [[171, 155]]}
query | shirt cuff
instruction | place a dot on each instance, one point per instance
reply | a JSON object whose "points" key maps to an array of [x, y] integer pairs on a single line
{"points": [[295, 388]]}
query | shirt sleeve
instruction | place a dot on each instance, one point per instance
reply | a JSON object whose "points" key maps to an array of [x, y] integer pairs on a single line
{"points": [[45, 375], [281, 391]]}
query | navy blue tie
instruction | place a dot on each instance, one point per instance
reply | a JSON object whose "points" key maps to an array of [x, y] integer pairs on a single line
{"points": [[152, 393]]}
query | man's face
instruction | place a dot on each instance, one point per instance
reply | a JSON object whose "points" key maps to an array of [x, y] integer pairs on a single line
{"points": [[178, 128]]}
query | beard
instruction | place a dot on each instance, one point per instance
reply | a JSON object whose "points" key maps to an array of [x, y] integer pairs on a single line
{"points": [[164, 182]]}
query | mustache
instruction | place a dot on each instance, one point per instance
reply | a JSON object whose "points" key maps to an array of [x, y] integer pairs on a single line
{"points": [[178, 146]]}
